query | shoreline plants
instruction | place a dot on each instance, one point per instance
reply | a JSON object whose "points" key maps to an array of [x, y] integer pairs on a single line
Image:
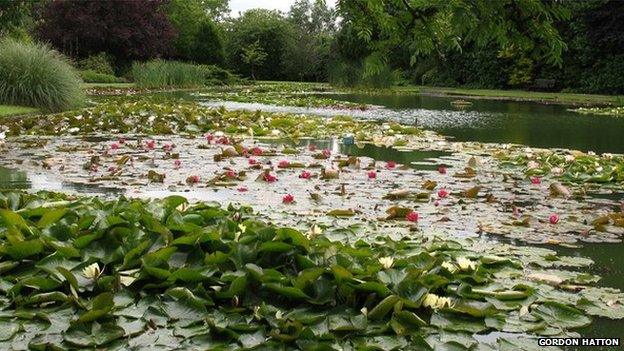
{"points": [[35, 75]]}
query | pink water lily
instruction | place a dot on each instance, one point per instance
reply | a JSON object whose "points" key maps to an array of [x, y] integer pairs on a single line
{"points": [[327, 153], [223, 140], [436, 203], [442, 170], [412, 216], [553, 219], [372, 175], [536, 180], [305, 175], [230, 174], [269, 178], [442, 193], [121, 141], [312, 147], [283, 164], [209, 137], [177, 163], [192, 179], [150, 144], [112, 169], [252, 161], [242, 189], [168, 147], [288, 199], [114, 146], [390, 165], [256, 151]]}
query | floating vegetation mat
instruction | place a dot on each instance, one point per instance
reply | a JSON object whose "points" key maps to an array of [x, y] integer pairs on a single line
{"points": [[609, 111], [456, 192], [165, 274]]}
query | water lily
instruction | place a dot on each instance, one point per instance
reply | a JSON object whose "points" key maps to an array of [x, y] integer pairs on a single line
{"points": [[150, 144], [242, 189], [449, 266], [326, 153], [436, 302], [386, 262], [412, 216], [230, 174], [553, 219], [314, 231], [252, 161], [599, 169], [390, 165], [305, 175], [569, 158], [442, 170], [193, 179], [92, 271], [121, 141], [532, 165], [442, 193], [177, 164], [256, 151], [312, 147], [114, 146], [591, 153], [556, 170], [466, 264], [209, 137], [288, 199], [536, 180], [372, 175], [608, 156], [283, 164], [269, 178], [167, 147], [242, 228]]}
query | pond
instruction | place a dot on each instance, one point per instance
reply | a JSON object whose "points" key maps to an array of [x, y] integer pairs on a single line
{"points": [[528, 123], [533, 124]]}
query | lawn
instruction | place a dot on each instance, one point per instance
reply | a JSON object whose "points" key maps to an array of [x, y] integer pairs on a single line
{"points": [[8, 110]]}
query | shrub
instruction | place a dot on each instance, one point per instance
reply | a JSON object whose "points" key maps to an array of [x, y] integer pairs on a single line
{"points": [[34, 75], [90, 76], [99, 63], [160, 73]]}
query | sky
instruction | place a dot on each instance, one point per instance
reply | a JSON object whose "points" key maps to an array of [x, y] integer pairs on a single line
{"points": [[241, 5]]}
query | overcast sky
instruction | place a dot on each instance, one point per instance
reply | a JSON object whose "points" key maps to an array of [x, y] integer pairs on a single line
{"points": [[283, 5]]}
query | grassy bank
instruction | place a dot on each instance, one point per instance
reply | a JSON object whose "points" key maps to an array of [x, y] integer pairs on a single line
{"points": [[9, 110]]}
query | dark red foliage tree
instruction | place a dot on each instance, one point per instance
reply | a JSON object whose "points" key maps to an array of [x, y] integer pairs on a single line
{"points": [[126, 29]]}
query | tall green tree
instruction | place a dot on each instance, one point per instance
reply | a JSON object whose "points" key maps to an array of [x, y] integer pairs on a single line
{"points": [[197, 36], [426, 27], [254, 56], [270, 30]]}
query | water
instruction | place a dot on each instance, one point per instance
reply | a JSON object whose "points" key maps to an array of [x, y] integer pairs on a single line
{"points": [[532, 124]]}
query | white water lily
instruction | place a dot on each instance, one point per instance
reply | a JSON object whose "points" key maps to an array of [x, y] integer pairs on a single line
{"points": [[449, 266], [242, 227], [386, 262], [599, 169], [569, 158], [276, 132], [465, 263], [436, 302], [314, 231], [73, 130], [364, 311], [2, 135], [92, 271], [219, 134], [591, 153], [608, 156], [556, 170], [532, 165]]}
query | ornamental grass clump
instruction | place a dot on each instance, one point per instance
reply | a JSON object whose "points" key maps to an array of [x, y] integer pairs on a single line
{"points": [[165, 74], [32, 74]]}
